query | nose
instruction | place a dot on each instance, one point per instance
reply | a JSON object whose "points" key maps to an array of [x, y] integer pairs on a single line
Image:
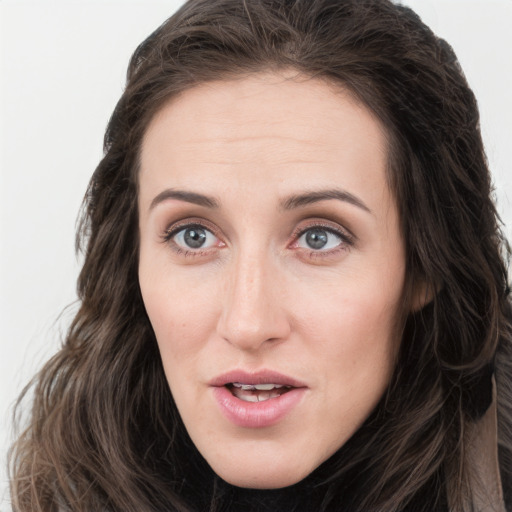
{"points": [[253, 311]]}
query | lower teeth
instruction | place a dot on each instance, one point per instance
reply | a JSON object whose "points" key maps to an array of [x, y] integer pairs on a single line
{"points": [[254, 396]]}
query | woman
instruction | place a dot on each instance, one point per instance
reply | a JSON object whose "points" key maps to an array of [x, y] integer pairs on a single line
{"points": [[294, 294]]}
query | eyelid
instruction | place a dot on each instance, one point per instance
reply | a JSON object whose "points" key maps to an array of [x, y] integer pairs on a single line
{"points": [[348, 239], [333, 227], [175, 227]]}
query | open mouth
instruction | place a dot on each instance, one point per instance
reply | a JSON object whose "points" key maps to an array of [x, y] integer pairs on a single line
{"points": [[257, 392], [257, 399]]}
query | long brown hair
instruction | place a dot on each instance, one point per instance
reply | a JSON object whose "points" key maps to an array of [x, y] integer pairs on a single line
{"points": [[104, 433]]}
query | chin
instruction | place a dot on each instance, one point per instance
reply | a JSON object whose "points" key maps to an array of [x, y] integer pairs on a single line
{"points": [[269, 476]]}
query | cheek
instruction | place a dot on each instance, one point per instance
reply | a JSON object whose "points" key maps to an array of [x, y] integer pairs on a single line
{"points": [[350, 307], [181, 313], [352, 334]]}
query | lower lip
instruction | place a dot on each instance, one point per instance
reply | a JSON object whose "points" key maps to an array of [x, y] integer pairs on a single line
{"points": [[256, 414]]}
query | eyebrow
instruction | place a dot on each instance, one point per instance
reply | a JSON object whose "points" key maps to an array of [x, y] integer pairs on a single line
{"points": [[290, 203], [184, 195], [299, 200]]}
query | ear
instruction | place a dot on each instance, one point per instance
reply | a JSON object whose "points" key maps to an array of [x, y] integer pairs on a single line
{"points": [[422, 294]]}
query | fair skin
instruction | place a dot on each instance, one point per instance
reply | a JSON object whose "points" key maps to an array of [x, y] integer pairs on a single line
{"points": [[269, 276]]}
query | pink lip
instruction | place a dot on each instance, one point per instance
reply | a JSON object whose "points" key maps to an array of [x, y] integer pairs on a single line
{"points": [[256, 414]]}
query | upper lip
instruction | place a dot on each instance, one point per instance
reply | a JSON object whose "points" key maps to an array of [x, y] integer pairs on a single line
{"points": [[259, 377]]}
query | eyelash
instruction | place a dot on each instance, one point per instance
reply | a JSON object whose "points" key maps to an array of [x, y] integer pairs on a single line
{"points": [[347, 240], [173, 230]]}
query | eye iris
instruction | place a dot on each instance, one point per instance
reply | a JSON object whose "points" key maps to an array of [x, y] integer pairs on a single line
{"points": [[316, 238], [194, 237]]}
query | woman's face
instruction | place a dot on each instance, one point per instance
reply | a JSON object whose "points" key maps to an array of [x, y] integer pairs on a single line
{"points": [[272, 270]]}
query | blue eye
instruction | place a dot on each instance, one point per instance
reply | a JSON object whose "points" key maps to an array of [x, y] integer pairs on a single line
{"points": [[319, 239], [194, 237]]}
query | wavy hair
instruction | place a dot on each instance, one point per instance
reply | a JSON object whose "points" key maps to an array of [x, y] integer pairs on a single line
{"points": [[104, 433]]}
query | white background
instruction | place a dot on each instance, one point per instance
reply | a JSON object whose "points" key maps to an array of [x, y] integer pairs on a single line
{"points": [[62, 69]]}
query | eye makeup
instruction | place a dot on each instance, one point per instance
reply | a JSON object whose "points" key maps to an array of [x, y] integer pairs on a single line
{"points": [[315, 238], [320, 238], [192, 237]]}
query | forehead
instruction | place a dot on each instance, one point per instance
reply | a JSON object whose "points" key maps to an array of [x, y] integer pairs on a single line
{"points": [[290, 105], [254, 128]]}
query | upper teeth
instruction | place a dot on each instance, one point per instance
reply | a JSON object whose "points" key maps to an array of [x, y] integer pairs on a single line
{"points": [[259, 387]]}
